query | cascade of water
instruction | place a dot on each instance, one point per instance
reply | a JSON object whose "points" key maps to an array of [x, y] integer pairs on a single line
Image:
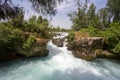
{"points": [[60, 65]]}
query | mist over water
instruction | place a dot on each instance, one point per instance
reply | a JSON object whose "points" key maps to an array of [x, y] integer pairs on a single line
{"points": [[60, 65]]}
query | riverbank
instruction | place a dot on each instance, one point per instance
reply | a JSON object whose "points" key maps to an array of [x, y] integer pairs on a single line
{"points": [[33, 46], [88, 48], [60, 64]]}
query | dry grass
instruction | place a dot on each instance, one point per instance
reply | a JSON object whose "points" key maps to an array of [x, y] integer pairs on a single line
{"points": [[42, 40], [79, 35]]}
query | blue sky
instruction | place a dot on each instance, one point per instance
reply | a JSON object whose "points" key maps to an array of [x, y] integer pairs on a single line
{"points": [[61, 19]]}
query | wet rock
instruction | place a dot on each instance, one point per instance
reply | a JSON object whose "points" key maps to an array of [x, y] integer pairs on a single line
{"points": [[58, 42], [105, 54]]}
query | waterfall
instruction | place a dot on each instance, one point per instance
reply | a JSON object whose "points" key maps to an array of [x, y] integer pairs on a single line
{"points": [[60, 64]]}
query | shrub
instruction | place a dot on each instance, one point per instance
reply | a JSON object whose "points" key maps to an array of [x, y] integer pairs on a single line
{"points": [[92, 31], [112, 37], [28, 44], [9, 39], [70, 37], [117, 49], [111, 40]]}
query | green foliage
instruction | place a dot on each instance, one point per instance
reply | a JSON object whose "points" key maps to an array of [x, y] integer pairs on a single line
{"points": [[117, 49], [34, 25], [39, 25], [70, 37], [88, 16], [111, 40], [17, 21], [105, 17], [86, 19], [9, 39], [28, 44], [79, 18], [112, 36], [13, 33], [114, 8], [92, 31], [91, 12]]}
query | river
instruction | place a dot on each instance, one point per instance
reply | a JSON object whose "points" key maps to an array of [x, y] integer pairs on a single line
{"points": [[60, 64]]}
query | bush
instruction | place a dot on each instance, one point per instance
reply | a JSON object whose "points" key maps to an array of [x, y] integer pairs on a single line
{"points": [[70, 37], [112, 37], [9, 39], [111, 40], [117, 49], [92, 31], [28, 44]]}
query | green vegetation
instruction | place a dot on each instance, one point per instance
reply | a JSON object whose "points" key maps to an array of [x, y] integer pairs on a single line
{"points": [[112, 37], [27, 45], [70, 37], [19, 33], [9, 38], [102, 23], [92, 31], [117, 49]]}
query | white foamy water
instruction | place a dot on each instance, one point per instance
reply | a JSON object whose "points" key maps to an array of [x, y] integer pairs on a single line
{"points": [[59, 65]]}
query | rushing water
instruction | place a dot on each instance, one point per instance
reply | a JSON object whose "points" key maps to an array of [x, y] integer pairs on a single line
{"points": [[60, 65]]}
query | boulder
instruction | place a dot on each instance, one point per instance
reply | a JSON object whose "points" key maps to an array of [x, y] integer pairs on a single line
{"points": [[58, 42]]}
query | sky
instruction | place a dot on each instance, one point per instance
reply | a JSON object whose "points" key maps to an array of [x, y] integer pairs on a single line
{"points": [[60, 19]]}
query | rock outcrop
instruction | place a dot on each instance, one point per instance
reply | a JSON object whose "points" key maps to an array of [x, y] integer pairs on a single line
{"points": [[37, 49], [89, 48]]}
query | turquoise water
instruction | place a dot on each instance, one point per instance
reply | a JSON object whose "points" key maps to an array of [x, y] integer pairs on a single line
{"points": [[60, 65]]}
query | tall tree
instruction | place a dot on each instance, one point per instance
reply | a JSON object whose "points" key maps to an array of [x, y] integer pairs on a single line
{"points": [[105, 17], [39, 20], [79, 18], [114, 8], [91, 14]]}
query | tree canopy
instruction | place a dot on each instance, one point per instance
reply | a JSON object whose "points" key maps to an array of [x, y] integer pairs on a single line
{"points": [[8, 10], [114, 8], [46, 7]]}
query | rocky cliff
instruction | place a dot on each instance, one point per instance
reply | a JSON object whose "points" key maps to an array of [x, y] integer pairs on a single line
{"points": [[89, 48]]}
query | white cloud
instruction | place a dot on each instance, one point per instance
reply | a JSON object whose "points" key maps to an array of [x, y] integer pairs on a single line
{"points": [[66, 4]]}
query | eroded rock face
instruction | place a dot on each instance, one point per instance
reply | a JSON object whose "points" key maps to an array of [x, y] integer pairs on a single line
{"points": [[58, 42], [85, 48], [38, 49]]}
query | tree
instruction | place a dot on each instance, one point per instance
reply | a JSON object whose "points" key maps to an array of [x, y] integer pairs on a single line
{"points": [[39, 20], [104, 17], [32, 20], [79, 18], [114, 8], [7, 10], [91, 14], [17, 21], [46, 7]]}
